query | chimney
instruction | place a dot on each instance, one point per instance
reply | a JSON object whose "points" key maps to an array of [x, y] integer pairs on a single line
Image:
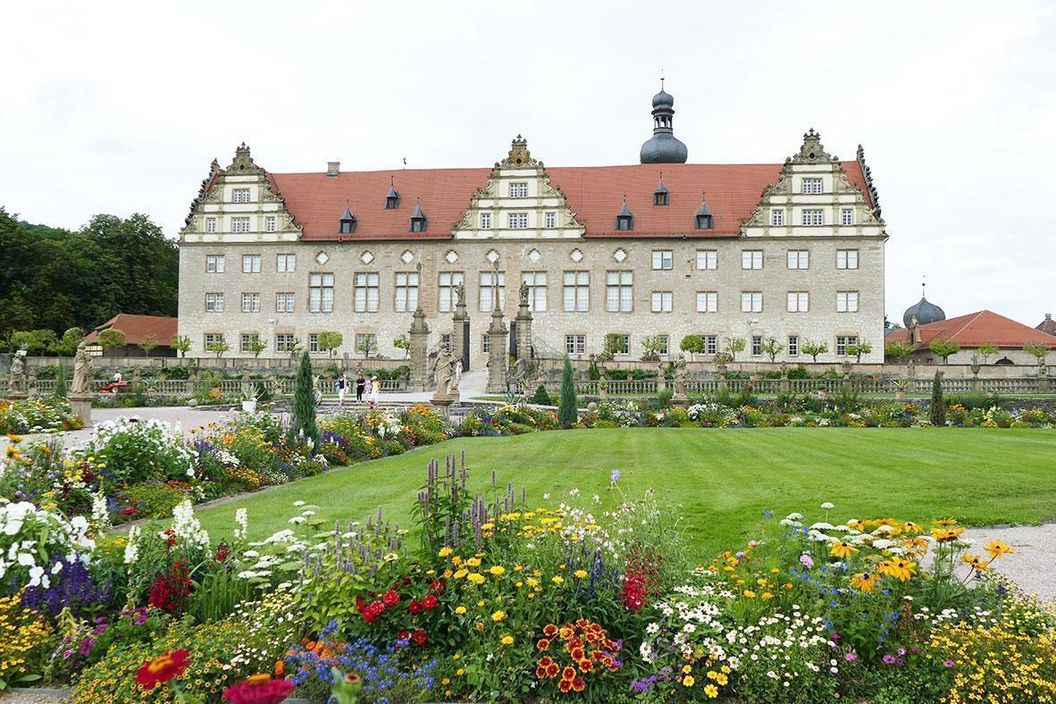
{"points": [[333, 168]]}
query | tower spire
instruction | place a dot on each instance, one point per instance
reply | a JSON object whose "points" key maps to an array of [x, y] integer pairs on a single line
{"points": [[664, 147]]}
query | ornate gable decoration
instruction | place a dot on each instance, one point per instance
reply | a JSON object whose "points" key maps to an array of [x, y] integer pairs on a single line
{"points": [[243, 163], [518, 202], [812, 151]]}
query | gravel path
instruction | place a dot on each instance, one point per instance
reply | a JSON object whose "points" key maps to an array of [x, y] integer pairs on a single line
{"points": [[1033, 564]]}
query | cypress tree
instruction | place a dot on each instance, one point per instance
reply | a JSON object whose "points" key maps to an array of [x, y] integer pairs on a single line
{"points": [[938, 403], [304, 402], [60, 381], [567, 412]]}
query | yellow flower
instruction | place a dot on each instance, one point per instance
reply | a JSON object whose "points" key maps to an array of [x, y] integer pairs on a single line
{"points": [[749, 594], [902, 570], [686, 669], [711, 690], [532, 582], [473, 562], [945, 535], [498, 616], [975, 561], [476, 578], [497, 570], [688, 681], [842, 550], [580, 574], [864, 581], [461, 573], [721, 679], [460, 610], [507, 639], [445, 551], [945, 522], [558, 579], [459, 672], [480, 604], [997, 548]]}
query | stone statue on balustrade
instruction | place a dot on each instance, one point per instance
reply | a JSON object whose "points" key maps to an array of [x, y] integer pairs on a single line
{"points": [[17, 381], [680, 375], [83, 372], [444, 374]]}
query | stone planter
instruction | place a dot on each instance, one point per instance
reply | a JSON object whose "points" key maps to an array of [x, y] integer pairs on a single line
{"points": [[250, 406]]}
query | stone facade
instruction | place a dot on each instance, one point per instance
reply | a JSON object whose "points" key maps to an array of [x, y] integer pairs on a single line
{"points": [[247, 269]]}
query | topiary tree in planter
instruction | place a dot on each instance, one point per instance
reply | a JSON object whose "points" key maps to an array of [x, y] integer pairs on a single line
{"points": [[938, 403], [567, 412], [304, 402], [541, 396]]}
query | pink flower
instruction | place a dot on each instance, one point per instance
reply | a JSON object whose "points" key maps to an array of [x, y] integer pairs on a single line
{"points": [[850, 657], [806, 560]]}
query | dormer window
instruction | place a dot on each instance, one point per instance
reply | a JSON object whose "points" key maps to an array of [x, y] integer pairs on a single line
{"points": [[661, 196], [418, 219], [239, 195], [625, 219], [705, 220], [392, 198], [519, 189], [348, 222]]}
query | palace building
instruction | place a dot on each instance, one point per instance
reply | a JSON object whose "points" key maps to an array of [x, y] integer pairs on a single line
{"points": [[654, 251]]}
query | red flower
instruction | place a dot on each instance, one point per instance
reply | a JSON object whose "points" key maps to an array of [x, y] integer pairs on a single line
{"points": [[429, 602], [568, 673], [552, 670], [542, 644], [437, 586], [162, 668], [565, 686], [360, 604], [414, 607], [222, 552], [403, 635], [549, 630], [259, 689], [635, 591], [170, 590], [170, 537], [419, 638], [540, 672], [579, 684], [391, 598], [128, 511], [371, 612]]}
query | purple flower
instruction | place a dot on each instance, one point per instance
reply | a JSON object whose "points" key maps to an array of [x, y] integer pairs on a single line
{"points": [[850, 657], [892, 660], [948, 664], [615, 475], [806, 560]]}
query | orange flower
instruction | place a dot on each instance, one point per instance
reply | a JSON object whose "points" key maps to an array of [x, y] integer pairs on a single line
{"points": [[945, 535], [975, 562], [998, 548]]}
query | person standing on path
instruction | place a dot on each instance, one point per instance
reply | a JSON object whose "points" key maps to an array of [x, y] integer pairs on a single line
{"points": [[375, 391], [458, 371], [342, 387], [361, 386]]}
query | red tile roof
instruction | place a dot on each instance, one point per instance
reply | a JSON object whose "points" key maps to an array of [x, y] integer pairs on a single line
{"points": [[1048, 325], [138, 327], [975, 329], [594, 194]]}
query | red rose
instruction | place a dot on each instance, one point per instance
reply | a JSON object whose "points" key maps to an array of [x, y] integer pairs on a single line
{"points": [[414, 607], [162, 668], [391, 598], [429, 602], [371, 612], [259, 689], [419, 638]]}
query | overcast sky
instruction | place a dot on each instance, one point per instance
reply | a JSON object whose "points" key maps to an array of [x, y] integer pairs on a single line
{"points": [[120, 107]]}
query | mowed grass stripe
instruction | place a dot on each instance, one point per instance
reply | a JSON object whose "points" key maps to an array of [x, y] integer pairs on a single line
{"points": [[722, 480]]}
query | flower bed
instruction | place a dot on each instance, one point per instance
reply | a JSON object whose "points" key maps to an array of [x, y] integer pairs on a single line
{"points": [[496, 599], [37, 415]]}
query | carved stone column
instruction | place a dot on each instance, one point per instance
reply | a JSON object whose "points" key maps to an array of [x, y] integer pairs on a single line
{"points": [[419, 349], [524, 331], [460, 320], [497, 357]]}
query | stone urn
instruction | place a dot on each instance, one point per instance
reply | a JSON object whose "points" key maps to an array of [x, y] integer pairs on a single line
{"points": [[975, 367], [250, 405]]}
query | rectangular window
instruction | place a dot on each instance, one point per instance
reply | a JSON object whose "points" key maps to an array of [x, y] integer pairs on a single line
{"points": [[847, 216], [212, 338], [485, 343], [757, 345], [846, 258], [664, 342], [284, 342], [813, 216], [517, 221], [366, 343], [485, 221], [269, 223], [662, 301], [846, 301], [752, 259], [365, 292], [576, 344], [214, 263], [210, 224], [214, 303], [798, 259], [247, 341], [239, 195], [798, 301], [619, 291], [707, 301], [449, 283], [812, 186], [250, 263], [487, 289], [321, 293], [550, 220], [240, 223], [313, 342], [711, 344], [250, 302], [286, 263], [845, 341], [284, 302], [576, 291], [406, 291], [777, 217], [793, 345], [519, 189], [663, 259], [623, 344], [707, 260], [751, 301], [536, 282]]}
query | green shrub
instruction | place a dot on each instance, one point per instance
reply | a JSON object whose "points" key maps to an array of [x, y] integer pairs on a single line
{"points": [[567, 411], [541, 397], [304, 402], [798, 372], [155, 499], [938, 404], [976, 400]]}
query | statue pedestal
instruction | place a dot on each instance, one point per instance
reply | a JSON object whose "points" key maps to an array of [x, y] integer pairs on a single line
{"points": [[82, 407], [680, 401], [443, 403]]}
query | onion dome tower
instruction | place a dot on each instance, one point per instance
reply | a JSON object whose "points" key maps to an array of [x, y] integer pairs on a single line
{"points": [[924, 311], [663, 147]]}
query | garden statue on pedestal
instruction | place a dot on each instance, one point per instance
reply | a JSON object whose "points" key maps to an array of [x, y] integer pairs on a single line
{"points": [[680, 376], [16, 383], [443, 374], [80, 387]]}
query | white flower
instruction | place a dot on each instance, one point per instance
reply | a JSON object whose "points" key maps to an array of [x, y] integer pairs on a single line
{"points": [[132, 547], [241, 524], [298, 504], [297, 520], [574, 492], [828, 506]]}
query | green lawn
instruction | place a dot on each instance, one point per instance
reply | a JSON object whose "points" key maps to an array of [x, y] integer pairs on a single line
{"points": [[723, 480]]}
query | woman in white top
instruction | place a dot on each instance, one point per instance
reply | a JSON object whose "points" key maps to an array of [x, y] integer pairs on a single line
{"points": [[375, 391]]}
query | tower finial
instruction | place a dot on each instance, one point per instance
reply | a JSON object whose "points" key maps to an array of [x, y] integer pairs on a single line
{"points": [[923, 284]]}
